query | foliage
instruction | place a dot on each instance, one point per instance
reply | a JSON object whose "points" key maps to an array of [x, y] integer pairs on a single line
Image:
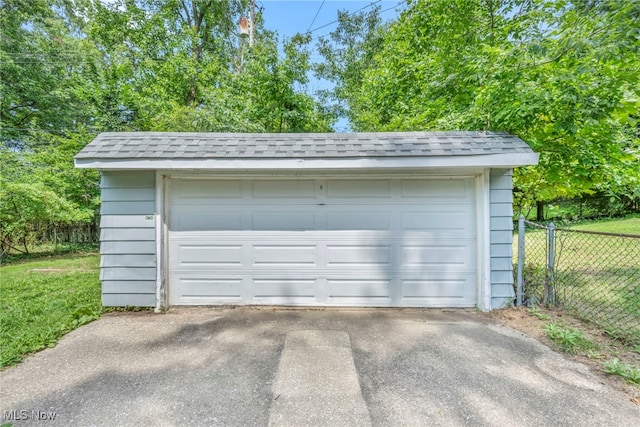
{"points": [[203, 77], [44, 299], [347, 54], [47, 70], [631, 374], [73, 68], [538, 314], [564, 76], [591, 207], [40, 189], [570, 340], [24, 207]]}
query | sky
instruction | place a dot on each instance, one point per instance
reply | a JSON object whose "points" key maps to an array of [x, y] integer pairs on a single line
{"points": [[289, 17]]}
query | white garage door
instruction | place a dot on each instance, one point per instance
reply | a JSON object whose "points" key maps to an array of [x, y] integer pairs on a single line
{"points": [[340, 242]]}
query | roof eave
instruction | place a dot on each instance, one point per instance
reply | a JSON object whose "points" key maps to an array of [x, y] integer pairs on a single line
{"points": [[488, 160]]}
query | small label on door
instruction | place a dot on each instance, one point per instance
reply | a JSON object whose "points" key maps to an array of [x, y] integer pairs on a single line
{"points": [[148, 217]]}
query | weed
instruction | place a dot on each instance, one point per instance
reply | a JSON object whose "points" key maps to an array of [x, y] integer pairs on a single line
{"points": [[538, 314], [595, 354], [630, 373], [570, 340], [624, 336]]}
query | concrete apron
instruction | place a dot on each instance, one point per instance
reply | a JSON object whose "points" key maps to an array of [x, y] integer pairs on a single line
{"points": [[317, 382]]}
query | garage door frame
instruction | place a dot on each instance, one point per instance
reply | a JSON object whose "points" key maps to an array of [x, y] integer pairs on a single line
{"points": [[481, 194]]}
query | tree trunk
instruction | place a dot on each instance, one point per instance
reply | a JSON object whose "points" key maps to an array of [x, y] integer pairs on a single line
{"points": [[539, 211]]}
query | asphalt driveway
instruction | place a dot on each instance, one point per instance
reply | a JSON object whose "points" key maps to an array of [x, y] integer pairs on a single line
{"points": [[205, 366]]}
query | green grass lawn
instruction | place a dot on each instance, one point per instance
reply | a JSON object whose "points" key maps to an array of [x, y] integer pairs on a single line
{"points": [[42, 299], [597, 276], [621, 226]]}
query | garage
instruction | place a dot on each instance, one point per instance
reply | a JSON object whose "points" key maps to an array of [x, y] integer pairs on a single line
{"points": [[344, 242], [387, 219]]}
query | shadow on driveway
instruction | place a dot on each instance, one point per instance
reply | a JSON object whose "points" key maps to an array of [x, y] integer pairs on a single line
{"points": [[207, 366]]}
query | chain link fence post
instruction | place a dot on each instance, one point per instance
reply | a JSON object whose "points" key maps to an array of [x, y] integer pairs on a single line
{"points": [[551, 252], [520, 279]]}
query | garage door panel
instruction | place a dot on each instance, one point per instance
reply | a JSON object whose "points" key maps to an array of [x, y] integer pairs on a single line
{"points": [[433, 288], [283, 220], [197, 191], [209, 287], [285, 287], [194, 256], [438, 256], [438, 291], [452, 221], [202, 218], [354, 189], [358, 220], [358, 288], [359, 242], [284, 255], [284, 189], [350, 255], [433, 189]]}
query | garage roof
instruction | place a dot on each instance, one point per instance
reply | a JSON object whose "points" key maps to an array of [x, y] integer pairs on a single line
{"points": [[163, 150]]}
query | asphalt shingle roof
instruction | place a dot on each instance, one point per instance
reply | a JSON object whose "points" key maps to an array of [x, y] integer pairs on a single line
{"points": [[167, 145]]}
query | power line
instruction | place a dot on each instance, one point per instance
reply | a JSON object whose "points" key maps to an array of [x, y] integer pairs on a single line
{"points": [[314, 18], [89, 129], [354, 12]]}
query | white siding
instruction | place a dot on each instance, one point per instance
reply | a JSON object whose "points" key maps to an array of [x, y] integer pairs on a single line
{"points": [[127, 235], [501, 212]]}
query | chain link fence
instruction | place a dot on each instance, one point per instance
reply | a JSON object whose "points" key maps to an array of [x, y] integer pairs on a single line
{"points": [[592, 274]]}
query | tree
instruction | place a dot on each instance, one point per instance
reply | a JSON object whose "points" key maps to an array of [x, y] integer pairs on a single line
{"points": [[348, 52], [562, 75], [271, 84], [73, 68], [27, 208], [46, 71], [202, 77], [47, 75]]}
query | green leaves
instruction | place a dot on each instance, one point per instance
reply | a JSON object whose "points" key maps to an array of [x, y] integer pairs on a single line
{"points": [[179, 66], [25, 207], [570, 340], [563, 76], [348, 54], [71, 69], [630, 373]]}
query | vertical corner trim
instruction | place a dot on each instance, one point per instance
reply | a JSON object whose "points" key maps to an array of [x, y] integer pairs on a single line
{"points": [[160, 252], [483, 227]]}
